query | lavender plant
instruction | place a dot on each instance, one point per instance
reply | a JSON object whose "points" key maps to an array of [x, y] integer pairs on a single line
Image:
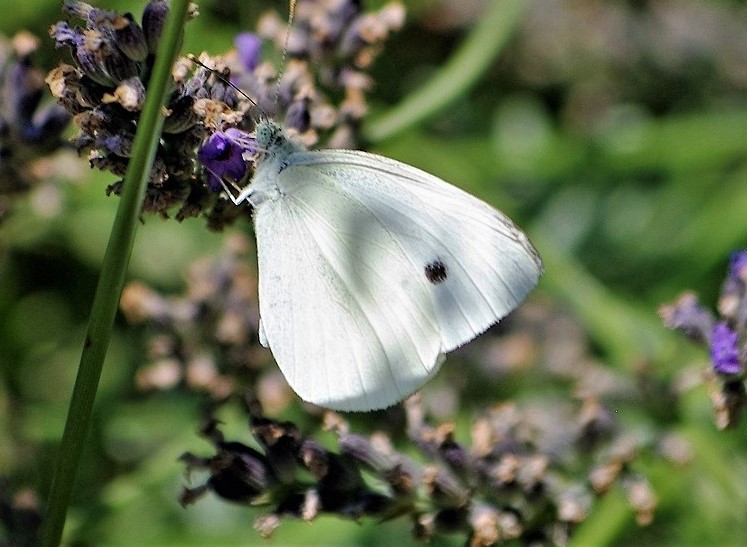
{"points": [[724, 337], [510, 484], [532, 471], [113, 54]]}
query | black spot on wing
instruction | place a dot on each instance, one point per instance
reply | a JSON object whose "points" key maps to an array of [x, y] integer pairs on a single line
{"points": [[435, 271]]}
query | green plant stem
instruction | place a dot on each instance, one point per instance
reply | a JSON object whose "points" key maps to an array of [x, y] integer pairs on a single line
{"points": [[609, 520], [465, 67], [111, 279]]}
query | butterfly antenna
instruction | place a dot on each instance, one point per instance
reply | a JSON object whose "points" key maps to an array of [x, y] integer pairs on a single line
{"points": [[225, 81], [284, 58]]}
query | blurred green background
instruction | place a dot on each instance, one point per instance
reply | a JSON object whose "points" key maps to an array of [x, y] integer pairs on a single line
{"points": [[614, 132]]}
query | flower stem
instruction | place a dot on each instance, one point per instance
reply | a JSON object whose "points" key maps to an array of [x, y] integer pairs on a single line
{"points": [[478, 51], [111, 279]]}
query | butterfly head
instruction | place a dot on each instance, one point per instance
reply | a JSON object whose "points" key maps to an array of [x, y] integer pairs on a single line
{"points": [[272, 139], [267, 133]]}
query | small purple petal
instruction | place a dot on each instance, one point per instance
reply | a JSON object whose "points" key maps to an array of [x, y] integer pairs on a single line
{"points": [[298, 115], [121, 145], [248, 45], [737, 264], [223, 156], [244, 140], [725, 350], [214, 183], [64, 35]]}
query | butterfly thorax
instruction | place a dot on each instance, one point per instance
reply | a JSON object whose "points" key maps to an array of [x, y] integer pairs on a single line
{"points": [[276, 151], [273, 141]]}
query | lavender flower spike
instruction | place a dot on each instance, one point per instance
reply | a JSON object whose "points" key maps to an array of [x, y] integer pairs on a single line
{"points": [[248, 46], [725, 350], [222, 155]]}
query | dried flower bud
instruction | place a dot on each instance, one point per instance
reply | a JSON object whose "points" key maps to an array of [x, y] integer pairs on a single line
{"points": [[688, 316], [731, 303], [266, 524], [86, 12], [642, 498], [162, 374], [454, 455], [121, 145], [676, 449], [602, 477], [315, 458], [361, 449], [130, 37], [129, 93], [574, 505], [298, 116], [444, 489], [181, 116], [533, 472], [728, 400], [87, 55], [154, 18], [312, 505], [506, 471], [282, 445], [119, 67], [63, 35], [484, 522]]}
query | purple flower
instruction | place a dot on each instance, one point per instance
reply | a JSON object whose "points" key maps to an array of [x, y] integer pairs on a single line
{"points": [[223, 156], [248, 45], [725, 350], [737, 265]]}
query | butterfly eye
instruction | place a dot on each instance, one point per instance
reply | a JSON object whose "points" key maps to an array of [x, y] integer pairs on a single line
{"points": [[435, 272]]}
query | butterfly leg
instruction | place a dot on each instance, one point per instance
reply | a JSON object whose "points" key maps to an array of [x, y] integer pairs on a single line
{"points": [[243, 195]]}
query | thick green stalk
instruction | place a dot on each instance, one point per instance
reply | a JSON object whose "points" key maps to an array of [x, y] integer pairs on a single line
{"points": [[465, 67], [112, 277]]}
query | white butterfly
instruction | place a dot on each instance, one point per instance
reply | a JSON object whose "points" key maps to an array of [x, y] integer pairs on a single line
{"points": [[370, 270]]}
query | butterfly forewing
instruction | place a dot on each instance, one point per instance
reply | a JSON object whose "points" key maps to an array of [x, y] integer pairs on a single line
{"points": [[370, 269], [478, 265]]}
